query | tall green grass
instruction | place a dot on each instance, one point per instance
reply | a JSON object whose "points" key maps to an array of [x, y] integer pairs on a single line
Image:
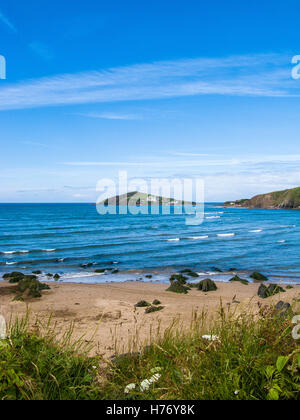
{"points": [[253, 357], [35, 365]]}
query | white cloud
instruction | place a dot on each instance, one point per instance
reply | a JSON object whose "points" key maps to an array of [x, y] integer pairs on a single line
{"points": [[4, 19], [262, 75], [112, 116]]}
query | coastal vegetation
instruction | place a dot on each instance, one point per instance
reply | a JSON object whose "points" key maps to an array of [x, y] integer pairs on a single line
{"points": [[240, 356], [142, 199], [287, 199]]}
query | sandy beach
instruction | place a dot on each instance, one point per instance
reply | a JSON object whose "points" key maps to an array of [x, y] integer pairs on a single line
{"points": [[108, 310]]}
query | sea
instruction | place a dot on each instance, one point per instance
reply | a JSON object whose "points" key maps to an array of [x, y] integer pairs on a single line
{"points": [[74, 241]]}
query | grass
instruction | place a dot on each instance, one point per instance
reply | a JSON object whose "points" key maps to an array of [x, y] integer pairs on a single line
{"points": [[252, 357], [34, 365]]}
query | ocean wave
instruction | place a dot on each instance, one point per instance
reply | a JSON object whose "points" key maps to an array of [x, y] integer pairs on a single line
{"points": [[197, 237], [225, 234], [255, 231], [14, 252], [173, 240], [213, 217]]}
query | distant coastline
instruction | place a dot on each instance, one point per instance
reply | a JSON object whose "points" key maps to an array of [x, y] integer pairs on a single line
{"points": [[287, 199]]}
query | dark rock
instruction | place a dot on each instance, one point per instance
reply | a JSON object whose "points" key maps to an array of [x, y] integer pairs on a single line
{"points": [[217, 270], [156, 302], [237, 278], [178, 278], [142, 304], [49, 275], [193, 285], [31, 286], [265, 292], [152, 309], [100, 270], [207, 285], [232, 269], [56, 277], [282, 306], [116, 271], [149, 276], [284, 309], [13, 277], [258, 277], [87, 265], [274, 289], [186, 271], [177, 287], [289, 287], [37, 272]]}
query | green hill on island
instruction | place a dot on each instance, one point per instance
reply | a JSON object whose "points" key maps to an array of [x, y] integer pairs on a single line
{"points": [[287, 199], [142, 199]]}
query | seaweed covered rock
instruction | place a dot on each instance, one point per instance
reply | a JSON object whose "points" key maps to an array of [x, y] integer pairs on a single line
{"points": [[152, 309], [142, 304], [177, 287], [284, 309], [13, 277], [237, 278], [100, 271], [178, 278], [273, 289], [190, 273], [207, 285], [56, 277], [30, 286], [258, 277], [156, 302]]}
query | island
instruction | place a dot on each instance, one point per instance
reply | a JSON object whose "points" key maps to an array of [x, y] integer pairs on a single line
{"points": [[143, 199], [287, 199]]}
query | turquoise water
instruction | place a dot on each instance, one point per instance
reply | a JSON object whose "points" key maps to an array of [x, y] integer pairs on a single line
{"points": [[74, 240]]}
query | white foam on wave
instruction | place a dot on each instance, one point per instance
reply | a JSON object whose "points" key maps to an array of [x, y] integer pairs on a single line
{"points": [[48, 250], [14, 252], [255, 231], [197, 237], [213, 217], [173, 240], [82, 275], [224, 235], [11, 263], [281, 242]]}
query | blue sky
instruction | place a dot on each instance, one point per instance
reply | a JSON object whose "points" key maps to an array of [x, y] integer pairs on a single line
{"points": [[160, 89]]}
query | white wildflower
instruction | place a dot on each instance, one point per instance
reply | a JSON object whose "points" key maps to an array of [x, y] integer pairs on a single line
{"points": [[210, 337], [2, 328], [145, 385], [129, 388]]}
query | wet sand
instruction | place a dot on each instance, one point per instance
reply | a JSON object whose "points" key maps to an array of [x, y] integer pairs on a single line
{"points": [[108, 310]]}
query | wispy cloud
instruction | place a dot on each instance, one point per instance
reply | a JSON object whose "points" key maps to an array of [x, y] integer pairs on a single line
{"points": [[112, 116], [257, 76], [4, 19], [198, 161]]}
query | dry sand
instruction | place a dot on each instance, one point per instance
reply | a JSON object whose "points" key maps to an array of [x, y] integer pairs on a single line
{"points": [[109, 309]]}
